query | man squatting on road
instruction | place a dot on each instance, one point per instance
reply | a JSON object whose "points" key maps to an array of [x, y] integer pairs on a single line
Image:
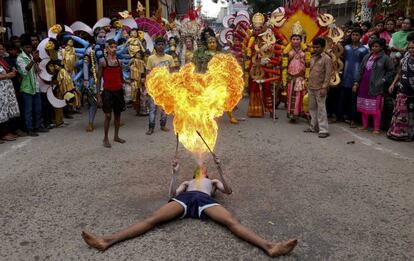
{"points": [[192, 199]]}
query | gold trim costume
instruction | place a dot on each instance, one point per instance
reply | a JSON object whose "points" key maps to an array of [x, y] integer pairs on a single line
{"points": [[301, 17]]}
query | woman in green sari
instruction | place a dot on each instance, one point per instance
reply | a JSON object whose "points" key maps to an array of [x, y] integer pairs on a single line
{"points": [[398, 41]]}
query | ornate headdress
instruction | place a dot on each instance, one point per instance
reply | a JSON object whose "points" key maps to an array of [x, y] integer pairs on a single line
{"points": [[297, 29], [258, 19]]}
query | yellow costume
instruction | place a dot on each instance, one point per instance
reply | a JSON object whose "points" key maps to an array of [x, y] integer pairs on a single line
{"points": [[134, 43], [69, 57], [66, 88], [137, 67]]}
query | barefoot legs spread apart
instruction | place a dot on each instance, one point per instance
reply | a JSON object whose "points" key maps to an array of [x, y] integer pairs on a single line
{"points": [[171, 211], [167, 212], [220, 215]]}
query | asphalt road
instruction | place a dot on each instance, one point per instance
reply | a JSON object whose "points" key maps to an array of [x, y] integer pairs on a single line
{"points": [[342, 201]]}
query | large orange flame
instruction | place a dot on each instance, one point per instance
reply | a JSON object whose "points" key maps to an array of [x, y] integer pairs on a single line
{"points": [[197, 99]]}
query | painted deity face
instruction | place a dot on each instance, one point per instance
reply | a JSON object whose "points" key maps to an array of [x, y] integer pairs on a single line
{"points": [[257, 30], [50, 46], [117, 24], [212, 44], [189, 44], [70, 43], [101, 37], [172, 44], [296, 41], [51, 68], [133, 34], [141, 35]]}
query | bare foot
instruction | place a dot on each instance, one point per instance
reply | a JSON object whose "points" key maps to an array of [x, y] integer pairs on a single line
{"points": [[106, 144], [118, 139], [283, 248], [94, 241]]}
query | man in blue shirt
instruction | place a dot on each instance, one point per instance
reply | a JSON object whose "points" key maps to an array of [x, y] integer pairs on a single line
{"points": [[353, 55]]}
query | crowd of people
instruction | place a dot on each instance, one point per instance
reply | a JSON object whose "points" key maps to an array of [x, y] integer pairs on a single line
{"points": [[21, 101], [377, 78]]}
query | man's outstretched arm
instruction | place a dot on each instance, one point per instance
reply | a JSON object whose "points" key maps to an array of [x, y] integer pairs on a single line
{"points": [[226, 188], [173, 184]]}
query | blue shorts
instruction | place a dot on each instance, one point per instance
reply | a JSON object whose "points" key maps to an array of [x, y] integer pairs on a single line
{"points": [[194, 203]]}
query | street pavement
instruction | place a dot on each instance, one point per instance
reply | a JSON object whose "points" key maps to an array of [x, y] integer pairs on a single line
{"points": [[346, 197]]}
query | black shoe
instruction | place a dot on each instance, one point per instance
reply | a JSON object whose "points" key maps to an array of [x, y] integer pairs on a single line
{"points": [[41, 130], [32, 134]]}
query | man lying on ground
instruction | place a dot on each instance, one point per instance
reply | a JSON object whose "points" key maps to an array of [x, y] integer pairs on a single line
{"points": [[192, 199]]}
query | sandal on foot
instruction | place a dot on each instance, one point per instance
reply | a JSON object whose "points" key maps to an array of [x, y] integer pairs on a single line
{"points": [[323, 135]]}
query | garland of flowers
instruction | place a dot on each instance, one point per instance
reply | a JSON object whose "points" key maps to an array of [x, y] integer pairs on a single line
{"points": [[95, 78]]}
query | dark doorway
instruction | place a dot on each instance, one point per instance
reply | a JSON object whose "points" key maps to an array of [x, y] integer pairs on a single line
{"points": [[69, 11], [112, 7]]}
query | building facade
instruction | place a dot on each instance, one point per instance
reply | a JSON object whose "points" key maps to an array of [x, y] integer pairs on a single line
{"points": [[38, 15]]}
